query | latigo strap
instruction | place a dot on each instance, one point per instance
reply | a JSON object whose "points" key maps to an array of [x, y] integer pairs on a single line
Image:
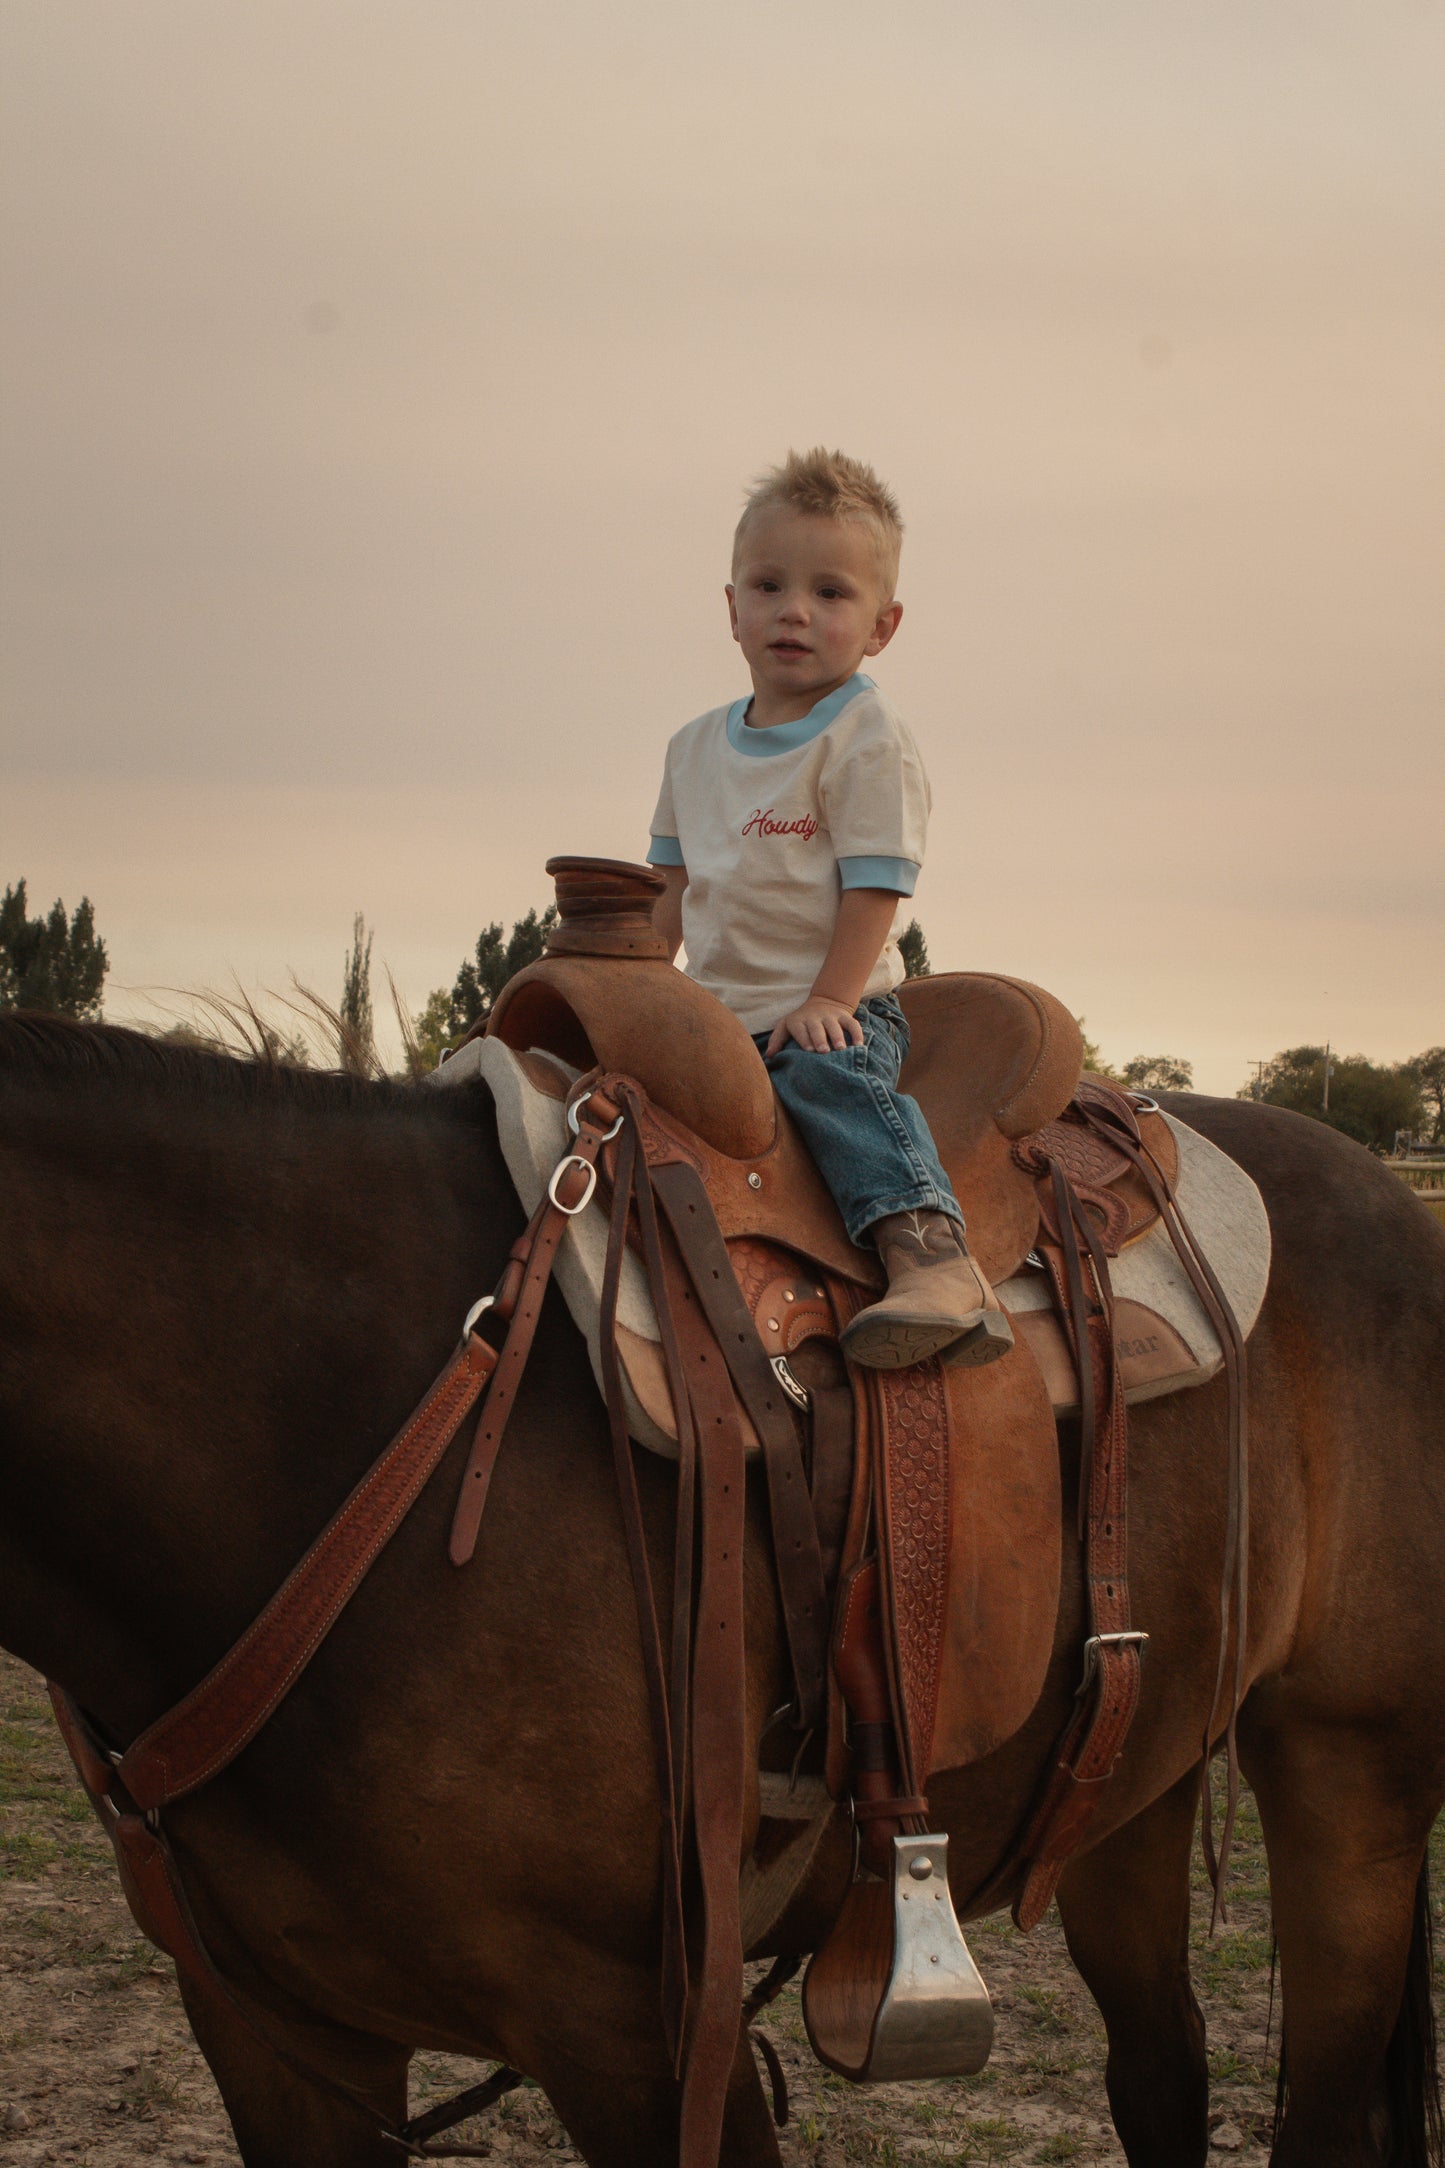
{"points": [[1109, 1691]]}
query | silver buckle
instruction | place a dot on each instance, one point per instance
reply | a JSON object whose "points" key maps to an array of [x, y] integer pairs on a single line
{"points": [[1096, 1642], [573, 1159], [796, 1391]]}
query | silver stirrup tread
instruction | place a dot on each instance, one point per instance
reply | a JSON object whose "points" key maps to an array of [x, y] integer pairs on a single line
{"points": [[893, 1992], [935, 2020]]}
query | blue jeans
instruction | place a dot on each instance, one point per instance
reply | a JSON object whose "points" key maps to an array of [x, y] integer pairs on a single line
{"points": [[870, 1141]]}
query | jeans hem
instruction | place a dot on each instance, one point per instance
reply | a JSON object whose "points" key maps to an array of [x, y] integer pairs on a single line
{"points": [[923, 1197]]}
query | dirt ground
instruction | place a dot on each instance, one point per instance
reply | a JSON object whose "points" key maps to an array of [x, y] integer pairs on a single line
{"points": [[97, 2065]]}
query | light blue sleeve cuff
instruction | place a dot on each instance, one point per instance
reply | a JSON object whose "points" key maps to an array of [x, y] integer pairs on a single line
{"points": [[899, 874], [667, 851]]}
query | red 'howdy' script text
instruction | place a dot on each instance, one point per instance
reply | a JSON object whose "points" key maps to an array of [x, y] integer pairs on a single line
{"points": [[763, 824]]}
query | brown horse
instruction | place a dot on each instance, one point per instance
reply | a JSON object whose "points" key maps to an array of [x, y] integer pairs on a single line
{"points": [[222, 1286]]}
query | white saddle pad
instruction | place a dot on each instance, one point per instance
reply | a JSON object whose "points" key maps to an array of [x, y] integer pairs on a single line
{"points": [[532, 1128], [1166, 1340]]}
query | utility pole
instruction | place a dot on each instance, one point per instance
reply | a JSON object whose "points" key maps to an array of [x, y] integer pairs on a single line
{"points": [[1257, 1088], [1329, 1072]]}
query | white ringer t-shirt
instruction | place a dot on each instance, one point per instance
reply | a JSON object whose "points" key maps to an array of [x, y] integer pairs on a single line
{"points": [[772, 825]]}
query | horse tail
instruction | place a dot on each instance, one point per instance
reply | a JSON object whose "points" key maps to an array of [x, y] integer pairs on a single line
{"points": [[1412, 2068], [1412, 2065]]}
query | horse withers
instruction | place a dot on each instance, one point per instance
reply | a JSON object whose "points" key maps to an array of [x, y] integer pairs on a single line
{"points": [[223, 1286]]}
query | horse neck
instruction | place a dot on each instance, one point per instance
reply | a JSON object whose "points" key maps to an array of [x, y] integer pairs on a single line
{"points": [[212, 1317]]}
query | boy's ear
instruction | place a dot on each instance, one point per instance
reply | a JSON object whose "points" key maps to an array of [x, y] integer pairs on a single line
{"points": [[731, 592], [884, 628]]}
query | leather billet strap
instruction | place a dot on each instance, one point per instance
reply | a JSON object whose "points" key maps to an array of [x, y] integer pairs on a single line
{"points": [[702, 1776], [203, 1734], [1109, 1692], [519, 1299], [1108, 1695], [669, 1697], [797, 1547], [1110, 1116]]}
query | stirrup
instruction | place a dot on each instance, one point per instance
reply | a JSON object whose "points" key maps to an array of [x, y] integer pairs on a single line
{"points": [[893, 1992]]}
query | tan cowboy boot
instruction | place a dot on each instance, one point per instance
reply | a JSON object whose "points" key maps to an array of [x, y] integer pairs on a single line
{"points": [[938, 1302]]}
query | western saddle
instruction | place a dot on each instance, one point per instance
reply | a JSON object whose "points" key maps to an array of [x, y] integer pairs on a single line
{"points": [[915, 1514]]}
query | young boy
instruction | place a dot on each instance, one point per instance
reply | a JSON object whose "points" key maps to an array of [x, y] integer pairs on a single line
{"points": [[790, 828]]}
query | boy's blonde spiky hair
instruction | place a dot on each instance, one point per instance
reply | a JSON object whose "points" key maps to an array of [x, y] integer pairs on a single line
{"points": [[830, 485]]}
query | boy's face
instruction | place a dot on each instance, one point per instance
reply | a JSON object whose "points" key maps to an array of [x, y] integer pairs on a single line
{"points": [[807, 606]]}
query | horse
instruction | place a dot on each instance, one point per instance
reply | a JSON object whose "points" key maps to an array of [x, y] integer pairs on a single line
{"points": [[223, 1285]]}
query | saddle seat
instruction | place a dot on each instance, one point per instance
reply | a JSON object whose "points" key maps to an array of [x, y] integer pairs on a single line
{"points": [[992, 1060], [994, 1063]]}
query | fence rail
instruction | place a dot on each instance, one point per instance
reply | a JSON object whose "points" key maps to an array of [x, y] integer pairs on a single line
{"points": [[1426, 1177]]}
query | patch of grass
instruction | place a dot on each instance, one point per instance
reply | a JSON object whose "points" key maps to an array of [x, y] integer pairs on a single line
{"points": [[148, 2089], [138, 1962], [23, 1855], [991, 2138], [1050, 2063], [1045, 2008], [1229, 1955], [1064, 2146]]}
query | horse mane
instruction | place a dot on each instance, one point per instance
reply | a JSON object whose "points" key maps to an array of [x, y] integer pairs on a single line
{"points": [[38, 1046]]}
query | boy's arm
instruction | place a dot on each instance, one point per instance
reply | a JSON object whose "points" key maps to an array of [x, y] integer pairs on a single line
{"points": [[826, 1019], [667, 911]]}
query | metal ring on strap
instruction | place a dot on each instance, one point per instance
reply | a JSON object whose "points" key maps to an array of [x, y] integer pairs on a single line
{"points": [[486, 1302], [574, 1122]]}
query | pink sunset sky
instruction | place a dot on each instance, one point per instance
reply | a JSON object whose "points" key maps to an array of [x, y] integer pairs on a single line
{"points": [[381, 381]]}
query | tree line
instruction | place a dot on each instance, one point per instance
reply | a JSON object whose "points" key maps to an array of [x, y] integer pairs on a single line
{"points": [[59, 963]]}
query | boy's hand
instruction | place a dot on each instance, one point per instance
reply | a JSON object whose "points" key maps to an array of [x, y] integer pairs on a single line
{"points": [[820, 1026]]}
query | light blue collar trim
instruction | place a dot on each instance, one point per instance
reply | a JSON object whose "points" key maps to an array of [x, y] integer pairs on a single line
{"points": [[787, 737]]}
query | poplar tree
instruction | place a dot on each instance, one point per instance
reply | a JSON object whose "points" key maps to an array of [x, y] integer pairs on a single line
{"points": [[51, 963]]}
